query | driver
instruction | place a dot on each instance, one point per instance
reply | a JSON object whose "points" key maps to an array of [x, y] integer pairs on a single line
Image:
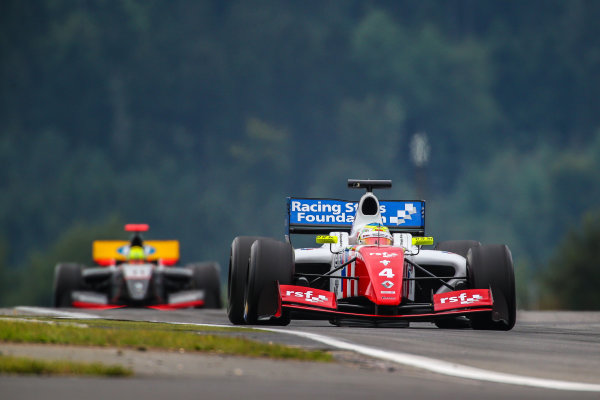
{"points": [[136, 254], [375, 234]]}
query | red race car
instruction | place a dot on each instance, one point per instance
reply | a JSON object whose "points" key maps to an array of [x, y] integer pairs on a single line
{"points": [[371, 269]]}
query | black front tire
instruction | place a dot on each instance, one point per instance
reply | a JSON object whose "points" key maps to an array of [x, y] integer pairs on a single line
{"points": [[238, 273], [206, 276], [491, 267], [67, 278], [271, 261]]}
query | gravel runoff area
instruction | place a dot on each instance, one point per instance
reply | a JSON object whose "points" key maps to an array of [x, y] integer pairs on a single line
{"points": [[152, 363], [163, 363]]}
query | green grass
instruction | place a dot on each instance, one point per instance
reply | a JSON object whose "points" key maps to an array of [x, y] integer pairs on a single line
{"points": [[23, 365], [147, 325], [144, 336]]}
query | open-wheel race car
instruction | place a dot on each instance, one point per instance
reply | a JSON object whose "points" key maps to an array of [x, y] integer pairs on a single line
{"points": [[137, 273], [370, 270]]}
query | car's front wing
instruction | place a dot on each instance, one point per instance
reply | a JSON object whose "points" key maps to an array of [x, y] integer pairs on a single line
{"points": [[455, 303], [99, 301]]}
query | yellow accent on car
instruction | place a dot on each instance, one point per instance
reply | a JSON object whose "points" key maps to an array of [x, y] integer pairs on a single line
{"points": [[326, 239], [422, 240], [109, 249], [136, 253]]}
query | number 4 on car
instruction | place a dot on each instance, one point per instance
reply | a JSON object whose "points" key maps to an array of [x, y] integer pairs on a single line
{"points": [[371, 268]]}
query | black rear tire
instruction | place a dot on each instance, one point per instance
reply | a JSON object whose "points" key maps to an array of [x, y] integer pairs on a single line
{"points": [[67, 278], [206, 276], [238, 273], [271, 261], [491, 266]]}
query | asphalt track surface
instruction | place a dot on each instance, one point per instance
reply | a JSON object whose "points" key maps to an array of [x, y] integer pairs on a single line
{"points": [[550, 355]]}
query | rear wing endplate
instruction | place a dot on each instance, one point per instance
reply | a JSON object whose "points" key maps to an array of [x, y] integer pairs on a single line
{"points": [[316, 216]]}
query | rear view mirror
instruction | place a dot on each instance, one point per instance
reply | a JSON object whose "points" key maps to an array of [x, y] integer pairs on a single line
{"points": [[321, 239], [422, 240]]}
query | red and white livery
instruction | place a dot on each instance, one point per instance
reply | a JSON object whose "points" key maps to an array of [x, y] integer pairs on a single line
{"points": [[349, 281]]}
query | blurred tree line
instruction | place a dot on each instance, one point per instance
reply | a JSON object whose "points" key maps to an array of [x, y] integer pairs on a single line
{"points": [[199, 117]]}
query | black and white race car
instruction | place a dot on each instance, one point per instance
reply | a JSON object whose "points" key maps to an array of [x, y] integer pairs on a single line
{"points": [[137, 273], [371, 269]]}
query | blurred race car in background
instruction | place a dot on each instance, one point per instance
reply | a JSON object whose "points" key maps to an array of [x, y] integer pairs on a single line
{"points": [[370, 270], [137, 273]]}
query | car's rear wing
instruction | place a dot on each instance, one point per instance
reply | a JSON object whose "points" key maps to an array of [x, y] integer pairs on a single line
{"points": [[315, 216], [106, 252]]}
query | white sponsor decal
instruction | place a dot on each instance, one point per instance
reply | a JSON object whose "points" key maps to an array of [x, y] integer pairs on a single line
{"points": [[137, 271], [387, 272], [388, 292], [308, 296], [323, 212], [385, 254], [385, 262], [342, 218], [318, 207], [462, 298], [325, 207], [387, 284]]}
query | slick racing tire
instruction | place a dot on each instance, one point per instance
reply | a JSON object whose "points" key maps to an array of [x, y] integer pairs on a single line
{"points": [[205, 277], [238, 272], [491, 267], [271, 261], [67, 278], [460, 247]]}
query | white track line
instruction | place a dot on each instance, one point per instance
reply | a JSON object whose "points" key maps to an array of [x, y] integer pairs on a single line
{"points": [[426, 363], [57, 313], [444, 367]]}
